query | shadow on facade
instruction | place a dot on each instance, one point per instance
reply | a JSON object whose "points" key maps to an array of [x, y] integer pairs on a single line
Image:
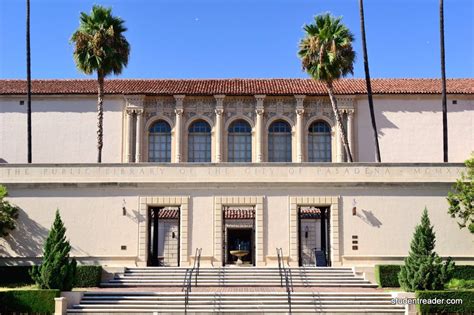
{"points": [[368, 217], [135, 216], [27, 239]]}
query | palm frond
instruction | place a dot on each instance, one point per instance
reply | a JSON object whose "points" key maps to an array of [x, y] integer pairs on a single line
{"points": [[326, 51], [99, 42]]}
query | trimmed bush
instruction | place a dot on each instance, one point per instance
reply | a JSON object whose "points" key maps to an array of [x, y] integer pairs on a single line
{"points": [[464, 272], [467, 306], [18, 275], [387, 275], [28, 301], [88, 276]]}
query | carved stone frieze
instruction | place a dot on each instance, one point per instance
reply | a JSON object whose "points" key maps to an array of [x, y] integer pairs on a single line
{"points": [[199, 106], [239, 106], [281, 106], [159, 106], [318, 107]]}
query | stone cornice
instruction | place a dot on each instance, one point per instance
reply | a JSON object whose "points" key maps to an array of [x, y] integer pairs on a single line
{"points": [[271, 173]]}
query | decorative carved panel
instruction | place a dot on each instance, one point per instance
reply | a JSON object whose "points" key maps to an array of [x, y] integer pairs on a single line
{"points": [[281, 106], [202, 106], [239, 106], [159, 106], [318, 107]]}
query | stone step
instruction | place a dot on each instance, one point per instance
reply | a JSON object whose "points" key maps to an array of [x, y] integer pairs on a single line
{"points": [[210, 276], [239, 279], [233, 302], [242, 268], [236, 294], [218, 305], [241, 273], [239, 310], [326, 285]]}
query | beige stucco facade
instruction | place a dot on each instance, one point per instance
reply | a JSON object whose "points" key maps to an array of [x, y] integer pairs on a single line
{"points": [[388, 198], [64, 126], [372, 208]]}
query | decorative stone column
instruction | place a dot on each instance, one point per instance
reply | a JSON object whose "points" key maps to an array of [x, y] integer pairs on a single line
{"points": [[219, 120], [133, 106], [350, 131], [299, 127], [259, 110], [139, 135], [129, 145], [178, 126]]}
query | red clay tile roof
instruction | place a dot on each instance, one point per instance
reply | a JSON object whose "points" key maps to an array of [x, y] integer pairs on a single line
{"points": [[233, 213], [166, 213], [236, 86], [239, 214], [310, 213]]}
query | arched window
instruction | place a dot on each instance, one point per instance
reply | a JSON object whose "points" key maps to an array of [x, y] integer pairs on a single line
{"points": [[199, 142], [240, 142], [159, 142], [319, 142], [279, 142]]}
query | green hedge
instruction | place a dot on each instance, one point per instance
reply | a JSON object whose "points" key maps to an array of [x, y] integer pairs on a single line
{"points": [[28, 301], [86, 276], [387, 275], [15, 275], [467, 306], [465, 272]]}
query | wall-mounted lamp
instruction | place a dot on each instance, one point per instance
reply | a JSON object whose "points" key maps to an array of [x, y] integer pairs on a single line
{"points": [[173, 235], [306, 231], [354, 211], [124, 209]]}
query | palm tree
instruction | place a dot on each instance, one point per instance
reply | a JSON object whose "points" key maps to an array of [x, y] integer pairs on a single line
{"points": [[367, 80], [100, 47], [28, 83], [443, 82], [326, 54]]}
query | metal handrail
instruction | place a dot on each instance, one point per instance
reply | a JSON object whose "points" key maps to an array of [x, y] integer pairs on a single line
{"points": [[188, 276], [279, 265], [198, 257], [287, 274]]}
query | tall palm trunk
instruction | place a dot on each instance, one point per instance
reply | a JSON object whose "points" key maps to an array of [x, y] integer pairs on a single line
{"points": [[28, 82], [367, 80], [100, 116], [443, 82], [340, 125]]}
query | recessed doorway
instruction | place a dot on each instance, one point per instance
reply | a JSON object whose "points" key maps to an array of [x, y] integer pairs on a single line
{"points": [[240, 240], [313, 236], [163, 236], [238, 230]]}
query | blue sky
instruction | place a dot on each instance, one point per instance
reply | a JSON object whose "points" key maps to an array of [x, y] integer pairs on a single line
{"points": [[240, 38]]}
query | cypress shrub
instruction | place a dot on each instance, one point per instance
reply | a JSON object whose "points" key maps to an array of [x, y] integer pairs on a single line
{"points": [[56, 271], [423, 269]]}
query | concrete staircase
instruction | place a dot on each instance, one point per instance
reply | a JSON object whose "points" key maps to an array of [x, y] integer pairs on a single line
{"points": [[241, 277], [236, 302]]}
